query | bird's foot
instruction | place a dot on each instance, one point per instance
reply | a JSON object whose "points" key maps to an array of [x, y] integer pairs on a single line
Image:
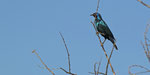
{"points": [[102, 34], [97, 33]]}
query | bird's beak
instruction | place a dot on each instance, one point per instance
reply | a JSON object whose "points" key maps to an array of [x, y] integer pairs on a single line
{"points": [[91, 15]]}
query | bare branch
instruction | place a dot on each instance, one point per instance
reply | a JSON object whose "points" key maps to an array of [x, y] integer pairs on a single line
{"points": [[98, 73], [103, 48], [144, 3], [145, 37], [97, 5], [67, 71], [95, 68], [43, 62], [147, 52], [67, 51], [146, 45], [68, 56], [98, 67], [109, 60], [137, 66]]}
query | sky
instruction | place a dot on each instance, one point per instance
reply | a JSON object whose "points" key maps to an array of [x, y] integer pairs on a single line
{"points": [[26, 25]]}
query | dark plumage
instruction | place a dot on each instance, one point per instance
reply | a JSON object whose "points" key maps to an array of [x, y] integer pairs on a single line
{"points": [[103, 29]]}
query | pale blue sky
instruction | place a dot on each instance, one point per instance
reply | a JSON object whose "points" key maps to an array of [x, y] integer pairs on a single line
{"points": [[35, 24]]}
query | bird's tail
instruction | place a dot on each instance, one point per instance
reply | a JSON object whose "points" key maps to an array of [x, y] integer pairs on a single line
{"points": [[113, 41], [115, 46]]}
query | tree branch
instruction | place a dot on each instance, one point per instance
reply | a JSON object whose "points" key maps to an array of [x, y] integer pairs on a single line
{"points": [[43, 62], [144, 3], [147, 52], [146, 45], [109, 60], [97, 5], [98, 67], [68, 56], [138, 66]]}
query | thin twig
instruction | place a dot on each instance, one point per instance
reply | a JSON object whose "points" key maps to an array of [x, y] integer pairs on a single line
{"points": [[98, 73], [67, 71], [109, 60], [101, 73], [146, 50], [145, 37], [144, 3], [97, 6], [98, 67], [129, 69], [95, 68], [103, 49], [43, 62], [67, 51], [146, 46], [68, 56]]}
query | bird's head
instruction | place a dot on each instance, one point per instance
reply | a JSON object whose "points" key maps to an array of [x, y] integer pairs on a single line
{"points": [[96, 15]]}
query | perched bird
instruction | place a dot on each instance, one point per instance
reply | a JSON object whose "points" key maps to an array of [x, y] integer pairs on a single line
{"points": [[103, 29]]}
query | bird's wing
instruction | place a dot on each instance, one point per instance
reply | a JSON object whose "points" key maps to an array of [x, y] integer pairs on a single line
{"points": [[107, 30]]}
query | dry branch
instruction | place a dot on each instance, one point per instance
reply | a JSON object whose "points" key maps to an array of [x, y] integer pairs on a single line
{"points": [[146, 45], [43, 62], [97, 5], [68, 72], [109, 60], [98, 67], [98, 73], [96, 70], [137, 66], [144, 3], [147, 52]]}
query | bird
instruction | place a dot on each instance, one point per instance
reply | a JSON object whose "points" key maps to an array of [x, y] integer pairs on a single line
{"points": [[103, 29]]}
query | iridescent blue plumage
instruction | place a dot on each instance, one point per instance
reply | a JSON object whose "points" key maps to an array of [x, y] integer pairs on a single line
{"points": [[103, 29]]}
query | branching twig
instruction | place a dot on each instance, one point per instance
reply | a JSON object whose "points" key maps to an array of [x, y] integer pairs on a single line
{"points": [[67, 71], [129, 69], [68, 56], [103, 49], [96, 72], [147, 52], [98, 67], [146, 45], [144, 3], [109, 60], [43, 62]]}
